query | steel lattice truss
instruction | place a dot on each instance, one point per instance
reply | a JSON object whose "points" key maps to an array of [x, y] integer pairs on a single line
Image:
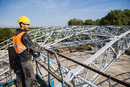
{"points": [[109, 41]]}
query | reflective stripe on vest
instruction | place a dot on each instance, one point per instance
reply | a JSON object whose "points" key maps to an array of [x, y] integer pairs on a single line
{"points": [[18, 45]]}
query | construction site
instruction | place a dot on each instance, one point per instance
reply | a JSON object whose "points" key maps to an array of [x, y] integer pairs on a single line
{"points": [[77, 56]]}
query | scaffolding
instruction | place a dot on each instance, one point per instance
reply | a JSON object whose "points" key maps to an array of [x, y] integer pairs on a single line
{"points": [[109, 42]]}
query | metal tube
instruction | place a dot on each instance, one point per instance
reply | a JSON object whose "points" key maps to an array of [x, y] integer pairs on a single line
{"points": [[56, 76], [49, 76], [97, 71]]}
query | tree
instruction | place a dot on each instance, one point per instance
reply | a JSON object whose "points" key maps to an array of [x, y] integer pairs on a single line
{"points": [[97, 22], [127, 13], [6, 33], [116, 17], [75, 22], [80, 22], [70, 22], [89, 22]]}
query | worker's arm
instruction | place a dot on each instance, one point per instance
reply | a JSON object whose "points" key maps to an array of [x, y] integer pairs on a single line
{"points": [[26, 40]]}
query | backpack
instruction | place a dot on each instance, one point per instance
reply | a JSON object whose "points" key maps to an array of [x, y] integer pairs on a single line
{"points": [[12, 56]]}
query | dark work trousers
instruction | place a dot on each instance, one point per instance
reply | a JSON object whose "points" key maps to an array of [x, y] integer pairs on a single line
{"points": [[26, 74]]}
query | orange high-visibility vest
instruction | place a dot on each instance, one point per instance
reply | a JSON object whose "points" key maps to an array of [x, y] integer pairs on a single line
{"points": [[18, 45]]}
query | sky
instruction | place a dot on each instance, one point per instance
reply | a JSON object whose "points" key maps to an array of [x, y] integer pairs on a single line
{"points": [[56, 12]]}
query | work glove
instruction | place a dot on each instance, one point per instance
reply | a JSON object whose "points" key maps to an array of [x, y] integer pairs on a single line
{"points": [[34, 53]]}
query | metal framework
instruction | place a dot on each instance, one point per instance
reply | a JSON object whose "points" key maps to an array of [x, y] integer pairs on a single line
{"points": [[109, 42]]}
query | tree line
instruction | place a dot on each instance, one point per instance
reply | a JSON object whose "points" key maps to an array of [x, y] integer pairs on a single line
{"points": [[6, 33], [114, 17]]}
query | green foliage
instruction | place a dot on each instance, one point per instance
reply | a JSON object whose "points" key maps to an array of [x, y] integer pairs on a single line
{"points": [[76, 22], [97, 22], [127, 13], [114, 17], [6, 33], [89, 22]]}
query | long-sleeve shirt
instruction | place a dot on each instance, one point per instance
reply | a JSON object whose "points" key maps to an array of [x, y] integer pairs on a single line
{"points": [[26, 40]]}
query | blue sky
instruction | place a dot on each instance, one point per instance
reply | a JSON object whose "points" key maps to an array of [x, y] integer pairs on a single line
{"points": [[56, 12]]}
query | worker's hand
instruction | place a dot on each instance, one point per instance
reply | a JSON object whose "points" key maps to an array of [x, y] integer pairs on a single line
{"points": [[36, 54], [45, 47]]}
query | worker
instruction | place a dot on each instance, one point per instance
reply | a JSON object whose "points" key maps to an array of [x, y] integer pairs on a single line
{"points": [[25, 48]]}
